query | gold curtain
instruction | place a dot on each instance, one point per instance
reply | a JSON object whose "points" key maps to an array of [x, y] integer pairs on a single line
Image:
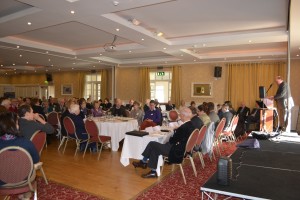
{"points": [[81, 83], [176, 92], [244, 80], [104, 77], [144, 83]]}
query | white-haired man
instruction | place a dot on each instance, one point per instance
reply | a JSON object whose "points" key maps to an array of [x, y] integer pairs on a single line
{"points": [[174, 149]]}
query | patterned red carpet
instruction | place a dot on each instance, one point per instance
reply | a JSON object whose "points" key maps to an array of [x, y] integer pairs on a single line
{"points": [[173, 187], [60, 192]]}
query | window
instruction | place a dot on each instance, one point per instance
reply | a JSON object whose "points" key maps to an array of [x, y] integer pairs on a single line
{"points": [[92, 86], [160, 86]]}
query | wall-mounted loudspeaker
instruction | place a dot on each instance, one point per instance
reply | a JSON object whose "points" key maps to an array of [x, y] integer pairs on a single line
{"points": [[218, 72], [49, 77], [262, 92]]}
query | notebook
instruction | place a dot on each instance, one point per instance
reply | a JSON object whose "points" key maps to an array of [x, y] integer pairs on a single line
{"points": [[137, 133]]}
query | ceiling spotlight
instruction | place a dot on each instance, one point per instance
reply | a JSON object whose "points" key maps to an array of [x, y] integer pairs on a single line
{"points": [[29, 23], [51, 65], [58, 69], [165, 48], [181, 55], [72, 12], [143, 39], [47, 52], [99, 61], [250, 41], [129, 51], [20, 55], [34, 70], [298, 55], [75, 57], [15, 69], [18, 47], [27, 62], [74, 63], [141, 63], [159, 34], [100, 54], [14, 64], [1, 65], [135, 22], [117, 29], [49, 59], [94, 66], [72, 67], [116, 3]]}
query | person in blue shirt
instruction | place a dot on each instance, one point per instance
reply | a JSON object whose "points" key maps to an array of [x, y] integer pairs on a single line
{"points": [[153, 114]]}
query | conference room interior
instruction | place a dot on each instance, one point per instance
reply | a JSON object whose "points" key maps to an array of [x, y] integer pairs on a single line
{"points": [[58, 53]]}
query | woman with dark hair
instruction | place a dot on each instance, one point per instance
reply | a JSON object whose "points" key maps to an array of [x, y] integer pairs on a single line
{"points": [[10, 135], [107, 105], [83, 109], [97, 111]]}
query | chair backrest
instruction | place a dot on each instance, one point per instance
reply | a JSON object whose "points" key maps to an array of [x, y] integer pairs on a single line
{"points": [[127, 113], [220, 127], [53, 118], [192, 141], [39, 139], [16, 166], [146, 124], [234, 123], [91, 128], [201, 135], [229, 128], [173, 115], [69, 126]]}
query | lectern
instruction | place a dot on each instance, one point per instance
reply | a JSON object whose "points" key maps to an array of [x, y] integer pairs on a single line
{"points": [[266, 115]]}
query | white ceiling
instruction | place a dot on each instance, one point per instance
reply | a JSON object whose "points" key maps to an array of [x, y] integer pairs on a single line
{"points": [[195, 31]]}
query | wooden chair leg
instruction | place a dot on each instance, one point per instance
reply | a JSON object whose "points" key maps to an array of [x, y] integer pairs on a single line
{"points": [[182, 174], [193, 165], [44, 175], [201, 159]]}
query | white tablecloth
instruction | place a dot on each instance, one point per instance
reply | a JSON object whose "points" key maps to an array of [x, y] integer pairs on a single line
{"points": [[134, 146], [115, 128]]}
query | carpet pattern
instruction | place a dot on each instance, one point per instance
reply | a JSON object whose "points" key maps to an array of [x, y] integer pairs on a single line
{"points": [[59, 192], [173, 187]]}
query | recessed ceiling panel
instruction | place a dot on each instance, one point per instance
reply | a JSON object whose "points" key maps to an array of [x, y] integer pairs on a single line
{"points": [[9, 7], [72, 35], [193, 17], [139, 55]]}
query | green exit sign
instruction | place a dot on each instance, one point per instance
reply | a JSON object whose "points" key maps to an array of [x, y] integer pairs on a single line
{"points": [[160, 73]]}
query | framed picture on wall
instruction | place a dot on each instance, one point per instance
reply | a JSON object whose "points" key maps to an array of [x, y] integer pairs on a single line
{"points": [[201, 90], [66, 89]]}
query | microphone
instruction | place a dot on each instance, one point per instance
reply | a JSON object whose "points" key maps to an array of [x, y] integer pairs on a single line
{"points": [[271, 85], [269, 88]]}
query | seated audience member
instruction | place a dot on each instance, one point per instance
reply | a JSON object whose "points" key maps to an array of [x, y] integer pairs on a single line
{"points": [[254, 117], [129, 106], [107, 105], [243, 111], [61, 105], [174, 149], [119, 109], [27, 101], [97, 111], [227, 115], [170, 106], [193, 107], [153, 114], [182, 104], [212, 114], [147, 105], [30, 122], [64, 114], [45, 105], [89, 104], [203, 116], [137, 112], [14, 106], [53, 105], [37, 108], [74, 112], [231, 109], [6, 103], [197, 122], [10, 136], [83, 109]]}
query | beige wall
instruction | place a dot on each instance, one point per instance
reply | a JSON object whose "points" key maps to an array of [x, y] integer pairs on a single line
{"points": [[295, 81]]}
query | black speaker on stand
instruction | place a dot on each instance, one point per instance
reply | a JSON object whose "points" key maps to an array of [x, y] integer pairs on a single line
{"points": [[49, 77], [262, 92], [218, 72]]}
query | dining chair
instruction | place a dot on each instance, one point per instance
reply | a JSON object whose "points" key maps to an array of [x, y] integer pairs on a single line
{"points": [[94, 136], [17, 171], [218, 132], [199, 140], [39, 140], [187, 154], [53, 119], [229, 133], [146, 124], [71, 134], [173, 116]]}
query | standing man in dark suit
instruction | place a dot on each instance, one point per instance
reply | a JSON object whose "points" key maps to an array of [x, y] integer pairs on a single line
{"points": [[227, 115], [174, 149], [281, 98]]}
